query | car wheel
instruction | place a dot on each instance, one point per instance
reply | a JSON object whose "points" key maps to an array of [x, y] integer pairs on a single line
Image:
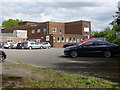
{"points": [[8, 47], [30, 47], [107, 54], [48, 47], [1, 58], [41, 47], [22, 47], [74, 54]]}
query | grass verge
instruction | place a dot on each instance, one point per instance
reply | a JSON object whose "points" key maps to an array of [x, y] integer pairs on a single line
{"points": [[35, 77]]}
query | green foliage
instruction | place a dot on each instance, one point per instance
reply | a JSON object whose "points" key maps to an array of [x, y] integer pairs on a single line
{"points": [[109, 34], [10, 23], [102, 33], [116, 28]]}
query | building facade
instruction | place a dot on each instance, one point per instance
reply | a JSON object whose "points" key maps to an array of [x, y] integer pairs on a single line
{"points": [[56, 33]]}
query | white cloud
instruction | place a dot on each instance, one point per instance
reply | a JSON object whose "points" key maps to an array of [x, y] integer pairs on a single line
{"points": [[99, 13]]}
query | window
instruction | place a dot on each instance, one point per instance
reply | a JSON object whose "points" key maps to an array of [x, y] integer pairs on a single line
{"points": [[86, 25], [38, 30], [35, 24], [31, 25], [9, 40], [86, 33], [62, 39], [70, 39], [58, 39], [44, 30], [66, 39], [32, 43], [54, 29], [60, 31], [74, 39], [78, 40], [33, 31]]}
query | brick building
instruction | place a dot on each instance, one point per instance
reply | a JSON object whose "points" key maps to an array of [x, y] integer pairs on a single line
{"points": [[56, 33]]}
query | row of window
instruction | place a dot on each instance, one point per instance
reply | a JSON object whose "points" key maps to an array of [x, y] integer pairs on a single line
{"points": [[39, 30], [45, 30], [62, 39]]}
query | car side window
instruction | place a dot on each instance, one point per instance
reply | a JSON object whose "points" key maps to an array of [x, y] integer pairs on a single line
{"points": [[32, 43], [37, 43]]}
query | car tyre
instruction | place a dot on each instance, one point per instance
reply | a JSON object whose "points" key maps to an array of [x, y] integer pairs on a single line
{"points": [[9, 48], [30, 48], [41, 47], [48, 47], [74, 54], [107, 54], [2, 59]]}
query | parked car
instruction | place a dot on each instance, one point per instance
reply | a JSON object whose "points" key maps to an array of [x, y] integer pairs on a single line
{"points": [[13, 45], [45, 45], [93, 47], [7, 45], [88, 40], [2, 56], [20, 45], [2, 44], [32, 44], [69, 44]]}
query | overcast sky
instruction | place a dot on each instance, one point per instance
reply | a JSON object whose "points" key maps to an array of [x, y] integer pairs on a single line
{"points": [[98, 12]]}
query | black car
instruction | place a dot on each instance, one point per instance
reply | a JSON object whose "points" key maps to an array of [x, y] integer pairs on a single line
{"points": [[2, 56], [93, 47], [20, 45], [69, 44]]}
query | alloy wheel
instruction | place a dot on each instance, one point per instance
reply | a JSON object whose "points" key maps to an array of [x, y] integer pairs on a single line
{"points": [[107, 54], [74, 54]]}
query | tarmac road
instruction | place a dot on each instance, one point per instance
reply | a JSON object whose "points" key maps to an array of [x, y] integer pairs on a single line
{"points": [[54, 58]]}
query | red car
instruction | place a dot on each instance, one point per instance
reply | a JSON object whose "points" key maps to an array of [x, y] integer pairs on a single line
{"points": [[88, 40]]}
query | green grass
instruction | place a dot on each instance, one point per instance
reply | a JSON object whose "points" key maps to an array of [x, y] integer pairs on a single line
{"points": [[19, 62], [54, 79]]}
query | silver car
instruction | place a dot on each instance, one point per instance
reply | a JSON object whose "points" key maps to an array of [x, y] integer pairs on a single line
{"points": [[45, 45], [31, 45]]}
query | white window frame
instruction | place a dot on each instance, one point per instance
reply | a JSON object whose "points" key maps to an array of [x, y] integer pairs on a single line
{"points": [[67, 39], [78, 40], [54, 29], [60, 32], [58, 40], [74, 39], [62, 39], [44, 30], [86, 25], [33, 31], [38, 30], [70, 40]]}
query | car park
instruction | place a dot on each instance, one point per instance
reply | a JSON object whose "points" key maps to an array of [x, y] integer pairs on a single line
{"points": [[13, 45], [45, 45], [94, 47], [7, 45], [2, 56], [69, 44], [32, 45]]}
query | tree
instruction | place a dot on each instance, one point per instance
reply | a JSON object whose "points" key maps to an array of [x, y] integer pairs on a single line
{"points": [[10, 23]]}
